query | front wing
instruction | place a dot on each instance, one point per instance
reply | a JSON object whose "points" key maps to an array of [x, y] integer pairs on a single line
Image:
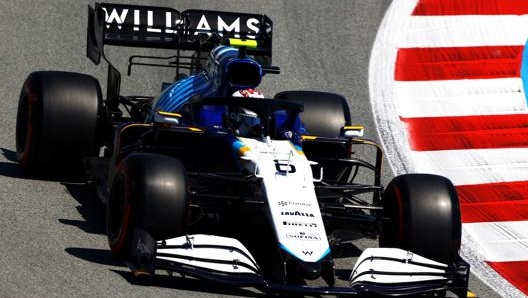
{"points": [[379, 272]]}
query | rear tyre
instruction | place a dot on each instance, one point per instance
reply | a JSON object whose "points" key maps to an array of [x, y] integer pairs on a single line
{"points": [[57, 121], [149, 191], [421, 213], [324, 113]]}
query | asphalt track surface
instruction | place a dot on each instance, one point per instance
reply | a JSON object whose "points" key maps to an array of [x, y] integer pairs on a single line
{"points": [[52, 239]]}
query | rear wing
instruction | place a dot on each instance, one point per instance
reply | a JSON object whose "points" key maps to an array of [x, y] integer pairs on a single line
{"points": [[161, 27]]}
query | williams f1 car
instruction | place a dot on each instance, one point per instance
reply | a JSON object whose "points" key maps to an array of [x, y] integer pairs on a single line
{"points": [[187, 190]]}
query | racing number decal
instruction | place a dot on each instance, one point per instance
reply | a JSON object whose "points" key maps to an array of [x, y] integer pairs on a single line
{"points": [[284, 167]]}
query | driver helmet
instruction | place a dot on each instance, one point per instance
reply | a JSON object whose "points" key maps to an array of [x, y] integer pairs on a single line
{"points": [[249, 93], [245, 118]]}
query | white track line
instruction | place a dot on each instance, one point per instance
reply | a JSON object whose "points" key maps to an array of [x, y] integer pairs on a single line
{"points": [[460, 97], [476, 166], [501, 241], [462, 31]]}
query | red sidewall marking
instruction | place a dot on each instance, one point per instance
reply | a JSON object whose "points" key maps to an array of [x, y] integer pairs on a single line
{"points": [[120, 241]]}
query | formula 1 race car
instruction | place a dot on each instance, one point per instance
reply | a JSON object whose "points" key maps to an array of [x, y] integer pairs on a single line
{"points": [[191, 187]]}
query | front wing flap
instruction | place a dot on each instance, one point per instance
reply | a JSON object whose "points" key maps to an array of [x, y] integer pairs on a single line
{"points": [[214, 253]]}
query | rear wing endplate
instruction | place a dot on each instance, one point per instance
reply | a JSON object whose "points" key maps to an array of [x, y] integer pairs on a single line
{"points": [[161, 27]]}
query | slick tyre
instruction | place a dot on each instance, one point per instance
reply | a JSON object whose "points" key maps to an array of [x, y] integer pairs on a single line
{"points": [[421, 213], [57, 121], [324, 113], [148, 191]]}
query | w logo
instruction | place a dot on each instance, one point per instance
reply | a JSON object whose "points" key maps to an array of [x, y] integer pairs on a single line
{"points": [[307, 252]]}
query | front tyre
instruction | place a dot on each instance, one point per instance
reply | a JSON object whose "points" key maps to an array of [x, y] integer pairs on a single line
{"points": [[421, 213], [149, 191], [57, 120]]}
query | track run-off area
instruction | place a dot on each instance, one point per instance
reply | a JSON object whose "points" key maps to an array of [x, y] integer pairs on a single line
{"points": [[448, 81]]}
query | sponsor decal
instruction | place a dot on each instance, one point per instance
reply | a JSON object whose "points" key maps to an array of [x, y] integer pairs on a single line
{"points": [[290, 203], [168, 21], [225, 23], [297, 213], [300, 224], [303, 236], [307, 252], [142, 20]]}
